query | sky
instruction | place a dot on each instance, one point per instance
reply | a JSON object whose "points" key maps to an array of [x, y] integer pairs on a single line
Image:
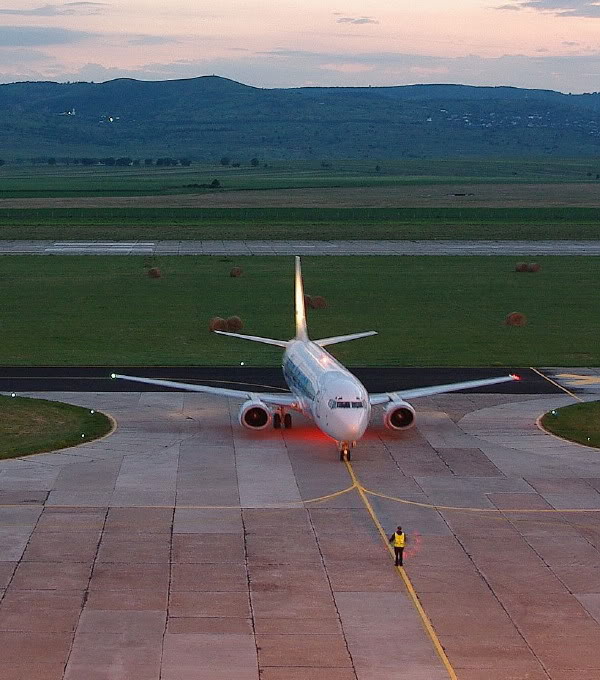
{"points": [[549, 44]]}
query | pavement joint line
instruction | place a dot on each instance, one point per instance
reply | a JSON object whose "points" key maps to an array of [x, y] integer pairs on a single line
{"points": [[318, 499], [404, 576]]}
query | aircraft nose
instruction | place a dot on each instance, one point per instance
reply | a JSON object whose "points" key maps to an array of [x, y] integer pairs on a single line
{"points": [[349, 426]]}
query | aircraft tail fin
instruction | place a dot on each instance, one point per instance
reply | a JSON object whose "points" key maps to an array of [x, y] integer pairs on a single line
{"points": [[300, 310]]}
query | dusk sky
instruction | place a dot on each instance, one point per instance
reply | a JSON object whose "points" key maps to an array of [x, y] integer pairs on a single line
{"points": [[552, 44]]}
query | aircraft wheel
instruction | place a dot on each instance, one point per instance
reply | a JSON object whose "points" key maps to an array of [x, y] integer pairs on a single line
{"points": [[276, 421], [345, 455], [287, 421]]}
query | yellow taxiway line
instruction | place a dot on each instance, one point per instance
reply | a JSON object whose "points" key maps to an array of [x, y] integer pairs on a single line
{"points": [[404, 576]]}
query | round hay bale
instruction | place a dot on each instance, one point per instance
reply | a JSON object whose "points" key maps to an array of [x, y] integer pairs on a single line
{"points": [[319, 302], [521, 267], [515, 319], [235, 272], [217, 323], [533, 267], [154, 273], [308, 302], [234, 324]]}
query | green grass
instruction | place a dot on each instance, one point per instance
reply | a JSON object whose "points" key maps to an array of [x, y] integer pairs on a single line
{"points": [[72, 181], [35, 425], [578, 423], [306, 223], [444, 311]]}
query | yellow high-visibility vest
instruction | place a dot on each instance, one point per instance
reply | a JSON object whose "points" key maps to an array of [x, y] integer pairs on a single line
{"points": [[398, 540]]}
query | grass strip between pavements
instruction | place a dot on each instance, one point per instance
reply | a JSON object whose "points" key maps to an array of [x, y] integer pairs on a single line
{"points": [[428, 311], [579, 423], [36, 425]]}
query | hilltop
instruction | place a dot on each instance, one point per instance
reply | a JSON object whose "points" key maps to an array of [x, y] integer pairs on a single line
{"points": [[208, 117]]}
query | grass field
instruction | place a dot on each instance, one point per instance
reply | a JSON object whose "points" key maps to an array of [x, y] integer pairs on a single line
{"points": [[56, 181], [445, 311], [531, 223], [35, 425], [578, 423]]}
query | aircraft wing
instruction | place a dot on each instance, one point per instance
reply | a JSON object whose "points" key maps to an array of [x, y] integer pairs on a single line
{"points": [[283, 399], [385, 397]]}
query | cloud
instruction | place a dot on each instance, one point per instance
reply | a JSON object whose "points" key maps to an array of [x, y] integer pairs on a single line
{"points": [[356, 20], [561, 8], [151, 40], [66, 9], [33, 36], [9, 57], [570, 43]]}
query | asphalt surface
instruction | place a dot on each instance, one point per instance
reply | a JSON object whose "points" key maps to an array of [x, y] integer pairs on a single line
{"points": [[259, 379], [353, 247]]}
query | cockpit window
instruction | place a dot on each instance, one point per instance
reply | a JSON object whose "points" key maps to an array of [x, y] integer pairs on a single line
{"points": [[334, 403]]}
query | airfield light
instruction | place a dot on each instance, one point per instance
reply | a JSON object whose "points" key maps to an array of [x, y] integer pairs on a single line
{"points": [[82, 436], [553, 412], [92, 411], [13, 394], [242, 363]]}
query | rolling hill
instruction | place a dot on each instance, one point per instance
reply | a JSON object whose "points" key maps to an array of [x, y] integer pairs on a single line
{"points": [[208, 117]]}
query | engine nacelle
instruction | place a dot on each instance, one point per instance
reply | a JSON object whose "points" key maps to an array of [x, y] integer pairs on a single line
{"points": [[399, 416], [255, 415]]}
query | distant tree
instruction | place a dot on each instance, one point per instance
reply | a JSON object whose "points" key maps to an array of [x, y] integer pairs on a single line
{"points": [[52, 161], [148, 162], [235, 165], [185, 162], [124, 161], [108, 161], [325, 165], [254, 162], [215, 184], [378, 168], [225, 160], [2, 162], [136, 163]]}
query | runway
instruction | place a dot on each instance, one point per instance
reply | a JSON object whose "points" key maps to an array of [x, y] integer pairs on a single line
{"points": [[183, 546], [297, 247]]}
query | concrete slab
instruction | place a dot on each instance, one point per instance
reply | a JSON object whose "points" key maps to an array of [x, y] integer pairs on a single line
{"points": [[147, 536]]}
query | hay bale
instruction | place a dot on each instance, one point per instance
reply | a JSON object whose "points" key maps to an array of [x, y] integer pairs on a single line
{"points": [[154, 273], [515, 319], [217, 323], [533, 267], [521, 267], [234, 324], [235, 272], [319, 302], [308, 302]]}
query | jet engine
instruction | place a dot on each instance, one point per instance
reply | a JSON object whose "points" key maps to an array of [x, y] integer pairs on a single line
{"points": [[255, 415], [399, 416]]}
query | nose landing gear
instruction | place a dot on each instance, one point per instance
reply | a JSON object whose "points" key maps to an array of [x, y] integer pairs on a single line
{"points": [[345, 451]]}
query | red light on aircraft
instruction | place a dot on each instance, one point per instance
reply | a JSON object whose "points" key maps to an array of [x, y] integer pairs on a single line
{"points": [[514, 376]]}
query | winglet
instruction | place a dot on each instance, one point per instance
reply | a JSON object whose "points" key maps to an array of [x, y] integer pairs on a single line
{"points": [[300, 310]]}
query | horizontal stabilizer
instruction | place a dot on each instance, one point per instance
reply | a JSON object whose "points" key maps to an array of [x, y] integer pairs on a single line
{"points": [[343, 338], [255, 338]]}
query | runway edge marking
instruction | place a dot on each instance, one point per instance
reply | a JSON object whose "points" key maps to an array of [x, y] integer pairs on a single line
{"points": [[404, 576]]}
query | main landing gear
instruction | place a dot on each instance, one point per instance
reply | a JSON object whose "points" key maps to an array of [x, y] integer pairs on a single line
{"points": [[280, 418]]}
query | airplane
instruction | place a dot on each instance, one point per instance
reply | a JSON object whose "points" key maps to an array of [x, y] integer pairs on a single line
{"points": [[320, 387]]}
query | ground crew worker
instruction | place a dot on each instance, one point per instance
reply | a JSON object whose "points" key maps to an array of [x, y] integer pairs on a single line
{"points": [[398, 540]]}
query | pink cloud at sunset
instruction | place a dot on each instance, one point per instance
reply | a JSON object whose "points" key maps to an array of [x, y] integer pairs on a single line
{"points": [[528, 43]]}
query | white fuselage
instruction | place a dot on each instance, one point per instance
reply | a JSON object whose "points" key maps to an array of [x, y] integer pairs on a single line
{"points": [[337, 401]]}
